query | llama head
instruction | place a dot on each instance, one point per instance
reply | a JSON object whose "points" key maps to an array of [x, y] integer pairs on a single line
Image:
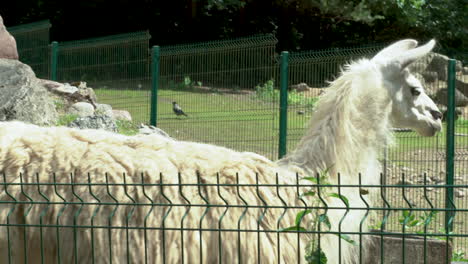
{"points": [[411, 106]]}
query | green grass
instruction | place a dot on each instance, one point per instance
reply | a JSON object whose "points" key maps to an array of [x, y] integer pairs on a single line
{"points": [[125, 127], [242, 121], [65, 120]]}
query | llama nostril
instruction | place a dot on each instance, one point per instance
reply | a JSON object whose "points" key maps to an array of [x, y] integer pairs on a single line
{"points": [[436, 114]]}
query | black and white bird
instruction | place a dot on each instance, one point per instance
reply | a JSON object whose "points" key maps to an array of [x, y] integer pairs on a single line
{"points": [[177, 109]]}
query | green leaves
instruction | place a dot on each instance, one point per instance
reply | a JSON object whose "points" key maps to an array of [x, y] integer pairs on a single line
{"points": [[301, 215], [317, 256], [347, 238], [340, 196]]}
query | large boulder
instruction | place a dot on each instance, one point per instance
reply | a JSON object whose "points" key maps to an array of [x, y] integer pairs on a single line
{"points": [[122, 115], [81, 109], [432, 70], [104, 109], [22, 96], [7, 43]]}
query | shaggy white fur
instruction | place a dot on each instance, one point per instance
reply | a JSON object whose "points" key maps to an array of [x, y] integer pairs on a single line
{"points": [[348, 128]]}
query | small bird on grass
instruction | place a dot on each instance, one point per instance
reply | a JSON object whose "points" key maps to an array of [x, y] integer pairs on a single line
{"points": [[177, 109]]}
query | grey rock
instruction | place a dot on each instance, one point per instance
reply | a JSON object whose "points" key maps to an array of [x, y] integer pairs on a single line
{"points": [[437, 179], [66, 88], [441, 97], [459, 193], [148, 130], [122, 115], [104, 109], [81, 109], [80, 84], [7, 43], [95, 122], [416, 247], [50, 85], [89, 94], [300, 87], [405, 182], [430, 76], [22, 95]]}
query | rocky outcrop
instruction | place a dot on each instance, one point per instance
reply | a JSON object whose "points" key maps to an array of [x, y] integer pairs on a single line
{"points": [[72, 93], [22, 96], [7, 43], [432, 70], [95, 122], [122, 115]]}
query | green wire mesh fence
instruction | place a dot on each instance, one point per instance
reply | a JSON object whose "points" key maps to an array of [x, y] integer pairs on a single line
{"points": [[226, 89], [230, 93], [86, 218], [309, 75], [32, 41], [117, 68]]}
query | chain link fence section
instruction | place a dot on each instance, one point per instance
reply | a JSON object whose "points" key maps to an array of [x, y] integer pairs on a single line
{"points": [[228, 91], [309, 75], [117, 67], [32, 41]]}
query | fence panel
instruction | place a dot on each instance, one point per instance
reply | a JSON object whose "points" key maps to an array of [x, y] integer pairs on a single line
{"points": [[461, 153], [309, 74], [32, 41], [228, 89], [87, 218], [116, 67]]}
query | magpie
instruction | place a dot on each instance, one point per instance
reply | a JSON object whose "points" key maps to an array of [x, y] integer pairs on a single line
{"points": [[177, 109]]}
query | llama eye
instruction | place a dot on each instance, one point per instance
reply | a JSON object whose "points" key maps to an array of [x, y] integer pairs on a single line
{"points": [[415, 91]]}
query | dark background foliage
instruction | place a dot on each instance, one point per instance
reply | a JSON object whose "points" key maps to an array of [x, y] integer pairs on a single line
{"points": [[298, 24]]}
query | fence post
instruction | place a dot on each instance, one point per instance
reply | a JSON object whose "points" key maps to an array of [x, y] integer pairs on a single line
{"points": [[283, 118], [53, 61], [155, 52], [450, 146]]}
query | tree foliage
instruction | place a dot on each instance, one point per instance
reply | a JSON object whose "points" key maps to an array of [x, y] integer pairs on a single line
{"points": [[298, 24]]}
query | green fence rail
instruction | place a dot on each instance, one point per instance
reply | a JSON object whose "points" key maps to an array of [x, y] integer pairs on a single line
{"points": [[32, 41], [117, 68], [98, 218]]}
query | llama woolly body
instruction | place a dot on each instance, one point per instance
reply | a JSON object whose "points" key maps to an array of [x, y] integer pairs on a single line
{"points": [[50, 154]]}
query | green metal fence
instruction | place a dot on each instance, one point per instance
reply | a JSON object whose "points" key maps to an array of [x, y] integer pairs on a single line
{"points": [[230, 91], [309, 74], [32, 41], [117, 68], [214, 83], [127, 219]]}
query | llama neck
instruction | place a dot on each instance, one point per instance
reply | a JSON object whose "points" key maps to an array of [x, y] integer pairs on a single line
{"points": [[348, 128]]}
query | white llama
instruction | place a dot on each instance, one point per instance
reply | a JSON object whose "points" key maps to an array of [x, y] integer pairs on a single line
{"points": [[109, 221]]}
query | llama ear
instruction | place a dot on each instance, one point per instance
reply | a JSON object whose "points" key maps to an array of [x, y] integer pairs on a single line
{"points": [[412, 55], [398, 47]]}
